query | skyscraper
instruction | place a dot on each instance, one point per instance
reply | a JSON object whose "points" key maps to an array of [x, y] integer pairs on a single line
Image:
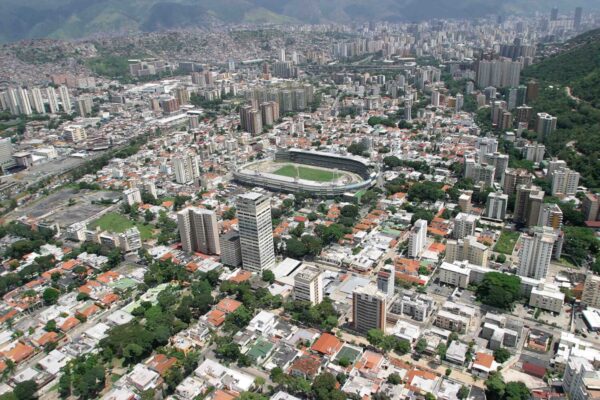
{"points": [[464, 225], [38, 102], [186, 168], [256, 231], [308, 285], [386, 280], [564, 182], [65, 99], [577, 18], [495, 206], [536, 253], [550, 215], [52, 101], [554, 14], [369, 307], [546, 124], [23, 100], [231, 250], [417, 238], [199, 230], [528, 203]]}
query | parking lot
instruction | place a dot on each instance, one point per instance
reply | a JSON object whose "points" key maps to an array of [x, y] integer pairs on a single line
{"points": [[66, 206]]}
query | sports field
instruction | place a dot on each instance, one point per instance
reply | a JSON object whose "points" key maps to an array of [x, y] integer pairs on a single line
{"points": [[310, 174]]}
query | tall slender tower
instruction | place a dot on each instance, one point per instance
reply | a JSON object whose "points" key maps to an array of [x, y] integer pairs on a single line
{"points": [[256, 231], [65, 99]]}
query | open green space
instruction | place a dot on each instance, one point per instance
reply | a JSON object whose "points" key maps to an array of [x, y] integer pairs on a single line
{"points": [[115, 222], [310, 174], [506, 242]]}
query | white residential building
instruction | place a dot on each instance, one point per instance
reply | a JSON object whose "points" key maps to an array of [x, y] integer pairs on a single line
{"points": [[464, 225], [536, 253], [132, 196], [417, 238], [308, 285]]}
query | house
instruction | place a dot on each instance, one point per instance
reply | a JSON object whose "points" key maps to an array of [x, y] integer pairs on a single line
{"points": [[190, 388], [327, 344], [18, 352], [219, 376], [456, 352], [263, 323], [483, 364], [306, 367], [160, 363], [143, 378]]}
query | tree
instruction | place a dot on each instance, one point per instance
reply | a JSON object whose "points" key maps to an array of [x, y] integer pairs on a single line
{"points": [[495, 386], [394, 379], [324, 387], [229, 214], [499, 290], [441, 351], [516, 391], [421, 346], [501, 355], [295, 248], [501, 258], [463, 392], [344, 362], [402, 347], [51, 326], [268, 276], [312, 244], [375, 337], [51, 296], [25, 390]]}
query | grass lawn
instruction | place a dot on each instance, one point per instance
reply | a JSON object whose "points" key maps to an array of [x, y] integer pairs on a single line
{"points": [[310, 174], [506, 242], [115, 222]]}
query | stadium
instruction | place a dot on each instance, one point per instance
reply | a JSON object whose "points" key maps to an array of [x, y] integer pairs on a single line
{"points": [[318, 173]]}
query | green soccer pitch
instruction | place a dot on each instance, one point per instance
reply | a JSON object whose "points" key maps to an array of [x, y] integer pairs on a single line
{"points": [[310, 174]]}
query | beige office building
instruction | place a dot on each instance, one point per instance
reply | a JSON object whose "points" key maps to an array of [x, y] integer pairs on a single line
{"points": [[467, 249]]}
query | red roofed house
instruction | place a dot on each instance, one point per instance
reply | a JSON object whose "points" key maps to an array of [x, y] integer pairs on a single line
{"points": [[327, 344]]}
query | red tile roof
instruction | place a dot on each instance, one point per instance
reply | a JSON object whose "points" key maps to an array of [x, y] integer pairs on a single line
{"points": [[327, 344]]}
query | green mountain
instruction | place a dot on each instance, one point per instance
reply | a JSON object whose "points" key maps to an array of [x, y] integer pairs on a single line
{"points": [[575, 69], [21, 19]]}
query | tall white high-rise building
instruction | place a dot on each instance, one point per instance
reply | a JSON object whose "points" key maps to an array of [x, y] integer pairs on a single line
{"points": [[495, 207], [52, 100], [23, 99], [464, 225], [417, 238], [38, 101], [256, 231], [12, 100], [537, 252], [565, 182], [308, 285], [65, 99], [199, 230], [186, 169]]}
